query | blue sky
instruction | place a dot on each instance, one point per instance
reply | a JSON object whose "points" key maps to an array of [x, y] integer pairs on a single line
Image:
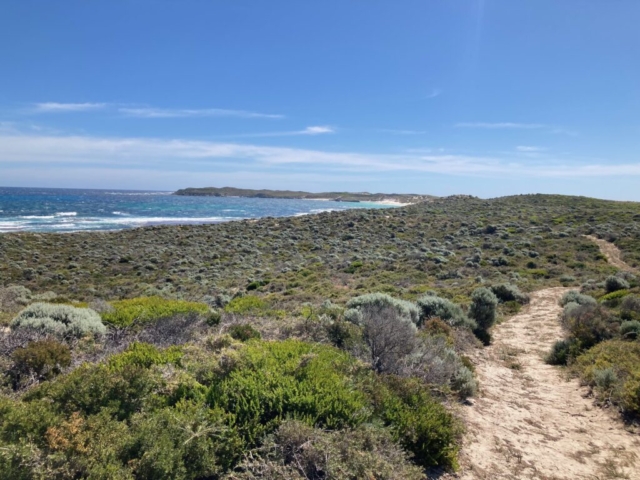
{"points": [[482, 97]]}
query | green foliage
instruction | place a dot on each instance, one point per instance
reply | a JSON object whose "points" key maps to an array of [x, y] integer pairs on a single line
{"points": [[559, 354], [188, 441], [420, 423], [144, 355], [248, 304], [483, 308], [614, 299], [63, 321], [613, 368], [298, 452], [290, 379], [145, 310], [630, 330], [432, 306], [214, 318], [44, 358], [613, 284], [353, 268], [243, 332], [589, 325], [91, 388], [507, 292]]}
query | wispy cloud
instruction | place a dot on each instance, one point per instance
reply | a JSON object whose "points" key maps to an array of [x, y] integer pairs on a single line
{"points": [[317, 130], [52, 107], [150, 112], [436, 92], [503, 125], [313, 130], [529, 149], [70, 152]]}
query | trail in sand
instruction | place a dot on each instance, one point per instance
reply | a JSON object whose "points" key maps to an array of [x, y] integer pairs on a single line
{"points": [[613, 254], [528, 421]]}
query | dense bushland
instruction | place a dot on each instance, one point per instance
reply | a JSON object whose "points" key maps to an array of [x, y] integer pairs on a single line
{"points": [[602, 344], [323, 346]]}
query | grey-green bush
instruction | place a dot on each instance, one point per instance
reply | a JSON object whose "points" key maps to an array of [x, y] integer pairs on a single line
{"points": [[613, 284], [483, 308], [380, 301], [630, 330], [62, 321], [388, 328], [574, 296], [432, 306]]}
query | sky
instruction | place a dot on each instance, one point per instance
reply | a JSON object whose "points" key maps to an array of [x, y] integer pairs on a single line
{"points": [[479, 97]]}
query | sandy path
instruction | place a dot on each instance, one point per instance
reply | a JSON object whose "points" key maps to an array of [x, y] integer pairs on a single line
{"points": [[613, 254], [528, 421]]}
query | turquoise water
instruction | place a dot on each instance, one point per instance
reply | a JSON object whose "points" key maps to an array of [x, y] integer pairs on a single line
{"points": [[68, 210]]}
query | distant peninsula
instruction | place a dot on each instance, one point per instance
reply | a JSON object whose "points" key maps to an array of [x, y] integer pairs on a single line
{"points": [[289, 194]]}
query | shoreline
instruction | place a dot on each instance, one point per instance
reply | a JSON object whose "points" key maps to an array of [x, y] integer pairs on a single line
{"points": [[196, 221]]}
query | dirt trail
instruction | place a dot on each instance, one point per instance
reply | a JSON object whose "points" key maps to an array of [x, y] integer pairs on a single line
{"points": [[528, 421], [612, 253]]}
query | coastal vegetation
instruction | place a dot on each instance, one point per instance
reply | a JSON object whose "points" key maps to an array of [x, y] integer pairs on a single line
{"points": [[288, 194], [325, 346]]}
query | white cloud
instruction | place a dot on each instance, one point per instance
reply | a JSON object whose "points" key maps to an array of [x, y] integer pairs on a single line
{"points": [[55, 153], [317, 130], [149, 112], [529, 149], [52, 107], [313, 130]]}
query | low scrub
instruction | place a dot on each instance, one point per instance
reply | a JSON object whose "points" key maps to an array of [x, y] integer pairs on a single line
{"points": [[63, 321], [612, 368], [145, 310]]}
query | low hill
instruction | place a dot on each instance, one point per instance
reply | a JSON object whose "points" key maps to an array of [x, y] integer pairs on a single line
{"points": [[289, 194]]}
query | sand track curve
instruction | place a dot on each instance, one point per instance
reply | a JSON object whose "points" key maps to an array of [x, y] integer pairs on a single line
{"points": [[528, 422]]}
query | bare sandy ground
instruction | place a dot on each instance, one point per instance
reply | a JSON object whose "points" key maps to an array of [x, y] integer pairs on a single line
{"points": [[612, 253], [529, 422]]}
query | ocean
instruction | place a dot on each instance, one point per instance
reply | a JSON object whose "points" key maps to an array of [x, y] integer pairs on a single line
{"points": [[69, 210]]}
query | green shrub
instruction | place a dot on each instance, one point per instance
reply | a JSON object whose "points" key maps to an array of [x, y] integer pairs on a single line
{"points": [[420, 423], [614, 299], [144, 355], [483, 311], [623, 359], [90, 388], [214, 318], [559, 354], [243, 332], [605, 379], [435, 326], [432, 306], [248, 304], [145, 310], [613, 284], [297, 451], [630, 330], [188, 441], [273, 381], [507, 292], [44, 358], [590, 325], [63, 321], [344, 335]]}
